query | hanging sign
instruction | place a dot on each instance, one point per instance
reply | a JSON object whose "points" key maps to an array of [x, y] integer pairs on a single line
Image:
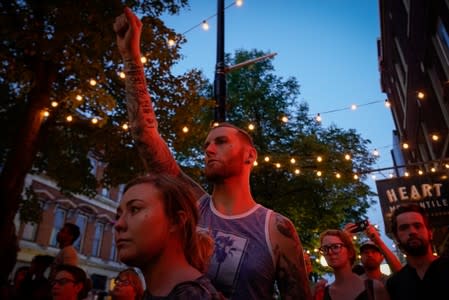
{"points": [[431, 192]]}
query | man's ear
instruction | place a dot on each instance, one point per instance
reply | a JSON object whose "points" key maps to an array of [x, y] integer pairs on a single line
{"points": [[251, 155]]}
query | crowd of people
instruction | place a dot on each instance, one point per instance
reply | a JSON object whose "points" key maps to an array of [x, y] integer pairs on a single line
{"points": [[225, 245]]}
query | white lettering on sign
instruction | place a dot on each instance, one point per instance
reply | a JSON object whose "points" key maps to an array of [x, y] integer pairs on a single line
{"points": [[413, 192]]}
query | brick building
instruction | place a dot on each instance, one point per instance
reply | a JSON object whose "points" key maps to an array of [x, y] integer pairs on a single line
{"points": [[95, 217]]}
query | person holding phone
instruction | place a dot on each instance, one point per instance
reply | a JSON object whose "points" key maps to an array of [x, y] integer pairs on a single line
{"points": [[375, 243]]}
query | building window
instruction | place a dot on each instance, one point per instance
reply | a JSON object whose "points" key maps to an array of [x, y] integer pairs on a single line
{"points": [[121, 188], [105, 192], [81, 221], [94, 165], [96, 244], [29, 231], [113, 253], [60, 216]]}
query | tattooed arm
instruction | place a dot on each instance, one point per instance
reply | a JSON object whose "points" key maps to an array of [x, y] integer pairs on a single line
{"points": [[291, 275], [153, 150]]}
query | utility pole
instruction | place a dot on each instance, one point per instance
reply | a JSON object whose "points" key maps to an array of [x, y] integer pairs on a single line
{"points": [[220, 76], [221, 69]]}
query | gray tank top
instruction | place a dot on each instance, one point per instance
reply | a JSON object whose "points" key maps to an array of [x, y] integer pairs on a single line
{"points": [[242, 265]]}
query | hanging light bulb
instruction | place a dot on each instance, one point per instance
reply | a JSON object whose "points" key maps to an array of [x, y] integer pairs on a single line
{"points": [[318, 117], [143, 59], [376, 152], [69, 118], [46, 113], [125, 126], [297, 171], [347, 157], [421, 95], [121, 75], [205, 25], [387, 103], [319, 159], [54, 103], [79, 98], [405, 145], [353, 107], [318, 173], [239, 3], [94, 120], [292, 160], [284, 119], [255, 163], [171, 42], [93, 82], [278, 165], [185, 129], [251, 126], [435, 137], [267, 158]]}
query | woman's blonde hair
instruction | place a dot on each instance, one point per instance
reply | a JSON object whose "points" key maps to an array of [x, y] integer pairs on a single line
{"points": [[178, 197]]}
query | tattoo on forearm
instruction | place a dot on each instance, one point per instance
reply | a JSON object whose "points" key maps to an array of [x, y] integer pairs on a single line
{"points": [[154, 152]]}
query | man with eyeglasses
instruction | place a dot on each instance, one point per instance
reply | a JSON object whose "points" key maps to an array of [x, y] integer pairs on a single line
{"points": [[69, 283], [426, 275]]}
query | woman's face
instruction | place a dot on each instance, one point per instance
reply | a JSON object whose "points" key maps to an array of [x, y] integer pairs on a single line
{"points": [[336, 253], [123, 288], [142, 228], [65, 287]]}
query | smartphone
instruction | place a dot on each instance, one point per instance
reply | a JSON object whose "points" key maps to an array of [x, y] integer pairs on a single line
{"points": [[360, 226]]}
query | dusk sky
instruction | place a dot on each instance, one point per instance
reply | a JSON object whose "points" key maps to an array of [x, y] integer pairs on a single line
{"points": [[329, 46]]}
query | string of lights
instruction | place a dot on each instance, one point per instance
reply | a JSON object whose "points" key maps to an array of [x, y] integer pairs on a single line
{"points": [[318, 116]]}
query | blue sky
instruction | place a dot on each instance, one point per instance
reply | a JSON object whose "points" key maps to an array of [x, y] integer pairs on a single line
{"points": [[330, 46]]}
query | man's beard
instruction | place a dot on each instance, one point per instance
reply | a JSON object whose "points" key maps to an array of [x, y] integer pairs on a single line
{"points": [[371, 264], [415, 250]]}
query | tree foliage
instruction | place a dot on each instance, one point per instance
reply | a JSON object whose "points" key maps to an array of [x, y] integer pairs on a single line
{"points": [[72, 43]]}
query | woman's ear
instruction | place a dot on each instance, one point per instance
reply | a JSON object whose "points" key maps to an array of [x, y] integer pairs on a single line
{"points": [[181, 218]]}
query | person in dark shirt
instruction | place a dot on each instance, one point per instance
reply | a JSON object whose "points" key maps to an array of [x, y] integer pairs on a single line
{"points": [[425, 276]]}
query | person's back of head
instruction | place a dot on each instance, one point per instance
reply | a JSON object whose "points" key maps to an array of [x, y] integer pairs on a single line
{"points": [[40, 263], [74, 231]]}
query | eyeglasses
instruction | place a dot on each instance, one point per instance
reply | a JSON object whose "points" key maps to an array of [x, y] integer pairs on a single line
{"points": [[62, 281], [334, 248], [119, 281]]}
